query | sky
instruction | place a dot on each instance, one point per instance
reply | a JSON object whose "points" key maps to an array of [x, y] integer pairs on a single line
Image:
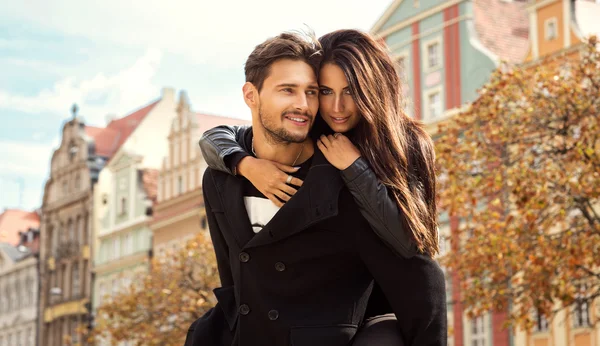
{"points": [[114, 56]]}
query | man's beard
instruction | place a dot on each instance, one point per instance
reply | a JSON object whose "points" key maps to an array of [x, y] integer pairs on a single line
{"points": [[280, 135]]}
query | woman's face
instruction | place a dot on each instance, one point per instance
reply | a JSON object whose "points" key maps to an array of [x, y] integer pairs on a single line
{"points": [[336, 104]]}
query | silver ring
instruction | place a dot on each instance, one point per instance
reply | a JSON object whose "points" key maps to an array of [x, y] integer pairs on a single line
{"points": [[336, 135], [289, 179]]}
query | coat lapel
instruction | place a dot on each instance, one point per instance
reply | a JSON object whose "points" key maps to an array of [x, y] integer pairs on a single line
{"points": [[315, 201], [231, 193]]}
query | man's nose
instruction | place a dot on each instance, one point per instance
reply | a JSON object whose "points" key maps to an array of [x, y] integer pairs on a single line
{"points": [[301, 103]]}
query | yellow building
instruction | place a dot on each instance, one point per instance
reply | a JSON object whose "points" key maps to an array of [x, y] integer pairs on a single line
{"points": [[558, 29], [179, 213]]}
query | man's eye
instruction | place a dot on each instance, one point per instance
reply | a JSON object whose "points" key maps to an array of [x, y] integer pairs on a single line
{"points": [[311, 92], [287, 90]]}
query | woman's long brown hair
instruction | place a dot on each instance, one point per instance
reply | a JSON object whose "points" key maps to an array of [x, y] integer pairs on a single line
{"points": [[398, 149]]}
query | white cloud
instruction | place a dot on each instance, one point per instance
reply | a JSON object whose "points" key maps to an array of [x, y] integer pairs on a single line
{"points": [[96, 97], [216, 32], [20, 159], [24, 169]]}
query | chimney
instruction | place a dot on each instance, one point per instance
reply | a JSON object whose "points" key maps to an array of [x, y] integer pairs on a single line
{"points": [[184, 103]]}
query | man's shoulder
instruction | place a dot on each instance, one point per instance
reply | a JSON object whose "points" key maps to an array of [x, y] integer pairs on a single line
{"points": [[213, 177]]}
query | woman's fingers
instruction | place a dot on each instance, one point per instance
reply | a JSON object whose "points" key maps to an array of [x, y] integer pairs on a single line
{"points": [[296, 182], [282, 195], [274, 199], [287, 189], [325, 141]]}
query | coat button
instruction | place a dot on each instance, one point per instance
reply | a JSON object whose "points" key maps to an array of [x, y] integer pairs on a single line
{"points": [[244, 309], [244, 257], [273, 315], [279, 266]]}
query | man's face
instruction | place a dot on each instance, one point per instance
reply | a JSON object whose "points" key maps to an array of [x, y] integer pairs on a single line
{"points": [[288, 101]]}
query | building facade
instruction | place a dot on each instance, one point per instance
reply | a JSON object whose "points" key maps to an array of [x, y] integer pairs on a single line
{"points": [[446, 51], [66, 232], [179, 212], [558, 29], [19, 282], [123, 200]]}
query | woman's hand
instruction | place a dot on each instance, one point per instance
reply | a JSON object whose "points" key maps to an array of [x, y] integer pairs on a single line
{"points": [[338, 150], [269, 178]]}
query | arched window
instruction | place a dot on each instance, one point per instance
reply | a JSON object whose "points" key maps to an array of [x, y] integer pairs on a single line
{"points": [[71, 228], [79, 229]]}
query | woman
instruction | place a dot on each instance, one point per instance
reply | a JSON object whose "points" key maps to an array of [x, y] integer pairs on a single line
{"points": [[385, 157]]}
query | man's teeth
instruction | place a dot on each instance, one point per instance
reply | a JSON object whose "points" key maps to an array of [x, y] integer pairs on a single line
{"points": [[298, 120]]}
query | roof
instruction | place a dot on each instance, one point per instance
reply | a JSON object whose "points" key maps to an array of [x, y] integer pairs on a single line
{"points": [[109, 139], [12, 252], [150, 182], [13, 221], [105, 139], [503, 28], [207, 121]]}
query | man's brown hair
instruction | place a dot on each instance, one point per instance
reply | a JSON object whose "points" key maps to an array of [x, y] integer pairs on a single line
{"points": [[288, 45]]}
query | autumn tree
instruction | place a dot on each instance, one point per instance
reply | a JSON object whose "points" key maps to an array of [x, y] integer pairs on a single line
{"points": [[159, 306], [520, 169]]}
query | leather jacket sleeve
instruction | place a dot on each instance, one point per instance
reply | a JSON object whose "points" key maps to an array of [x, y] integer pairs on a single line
{"points": [[222, 151], [221, 147], [377, 207]]}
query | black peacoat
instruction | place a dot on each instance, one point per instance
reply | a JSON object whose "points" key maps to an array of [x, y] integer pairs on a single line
{"points": [[306, 277]]}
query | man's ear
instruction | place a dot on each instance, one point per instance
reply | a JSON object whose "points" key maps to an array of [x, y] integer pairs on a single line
{"points": [[250, 95]]}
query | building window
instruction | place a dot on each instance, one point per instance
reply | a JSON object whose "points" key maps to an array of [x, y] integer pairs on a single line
{"points": [[478, 331], [116, 248], [402, 64], [433, 107], [65, 280], [180, 185], [122, 184], [541, 323], [581, 310], [77, 182], [65, 187], [71, 227], [101, 293], [80, 230], [128, 244], [123, 209], [551, 29], [76, 282], [433, 57]]}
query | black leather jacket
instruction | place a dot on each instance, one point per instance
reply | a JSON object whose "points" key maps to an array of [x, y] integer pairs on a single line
{"points": [[220, 144]]}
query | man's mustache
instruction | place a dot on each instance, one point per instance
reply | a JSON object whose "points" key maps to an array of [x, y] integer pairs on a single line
{"points": [[308, 115]]}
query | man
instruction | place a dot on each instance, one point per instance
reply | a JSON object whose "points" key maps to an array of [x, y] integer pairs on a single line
{"points": [[302, 274]]}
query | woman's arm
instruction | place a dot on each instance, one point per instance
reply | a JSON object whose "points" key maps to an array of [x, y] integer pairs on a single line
{"points": [[221, 147], [376, 205], [222, 151], [371, 196]]}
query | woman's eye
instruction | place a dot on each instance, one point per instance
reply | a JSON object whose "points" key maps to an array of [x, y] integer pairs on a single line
{"points": [[347, 92], [325, 92]]}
